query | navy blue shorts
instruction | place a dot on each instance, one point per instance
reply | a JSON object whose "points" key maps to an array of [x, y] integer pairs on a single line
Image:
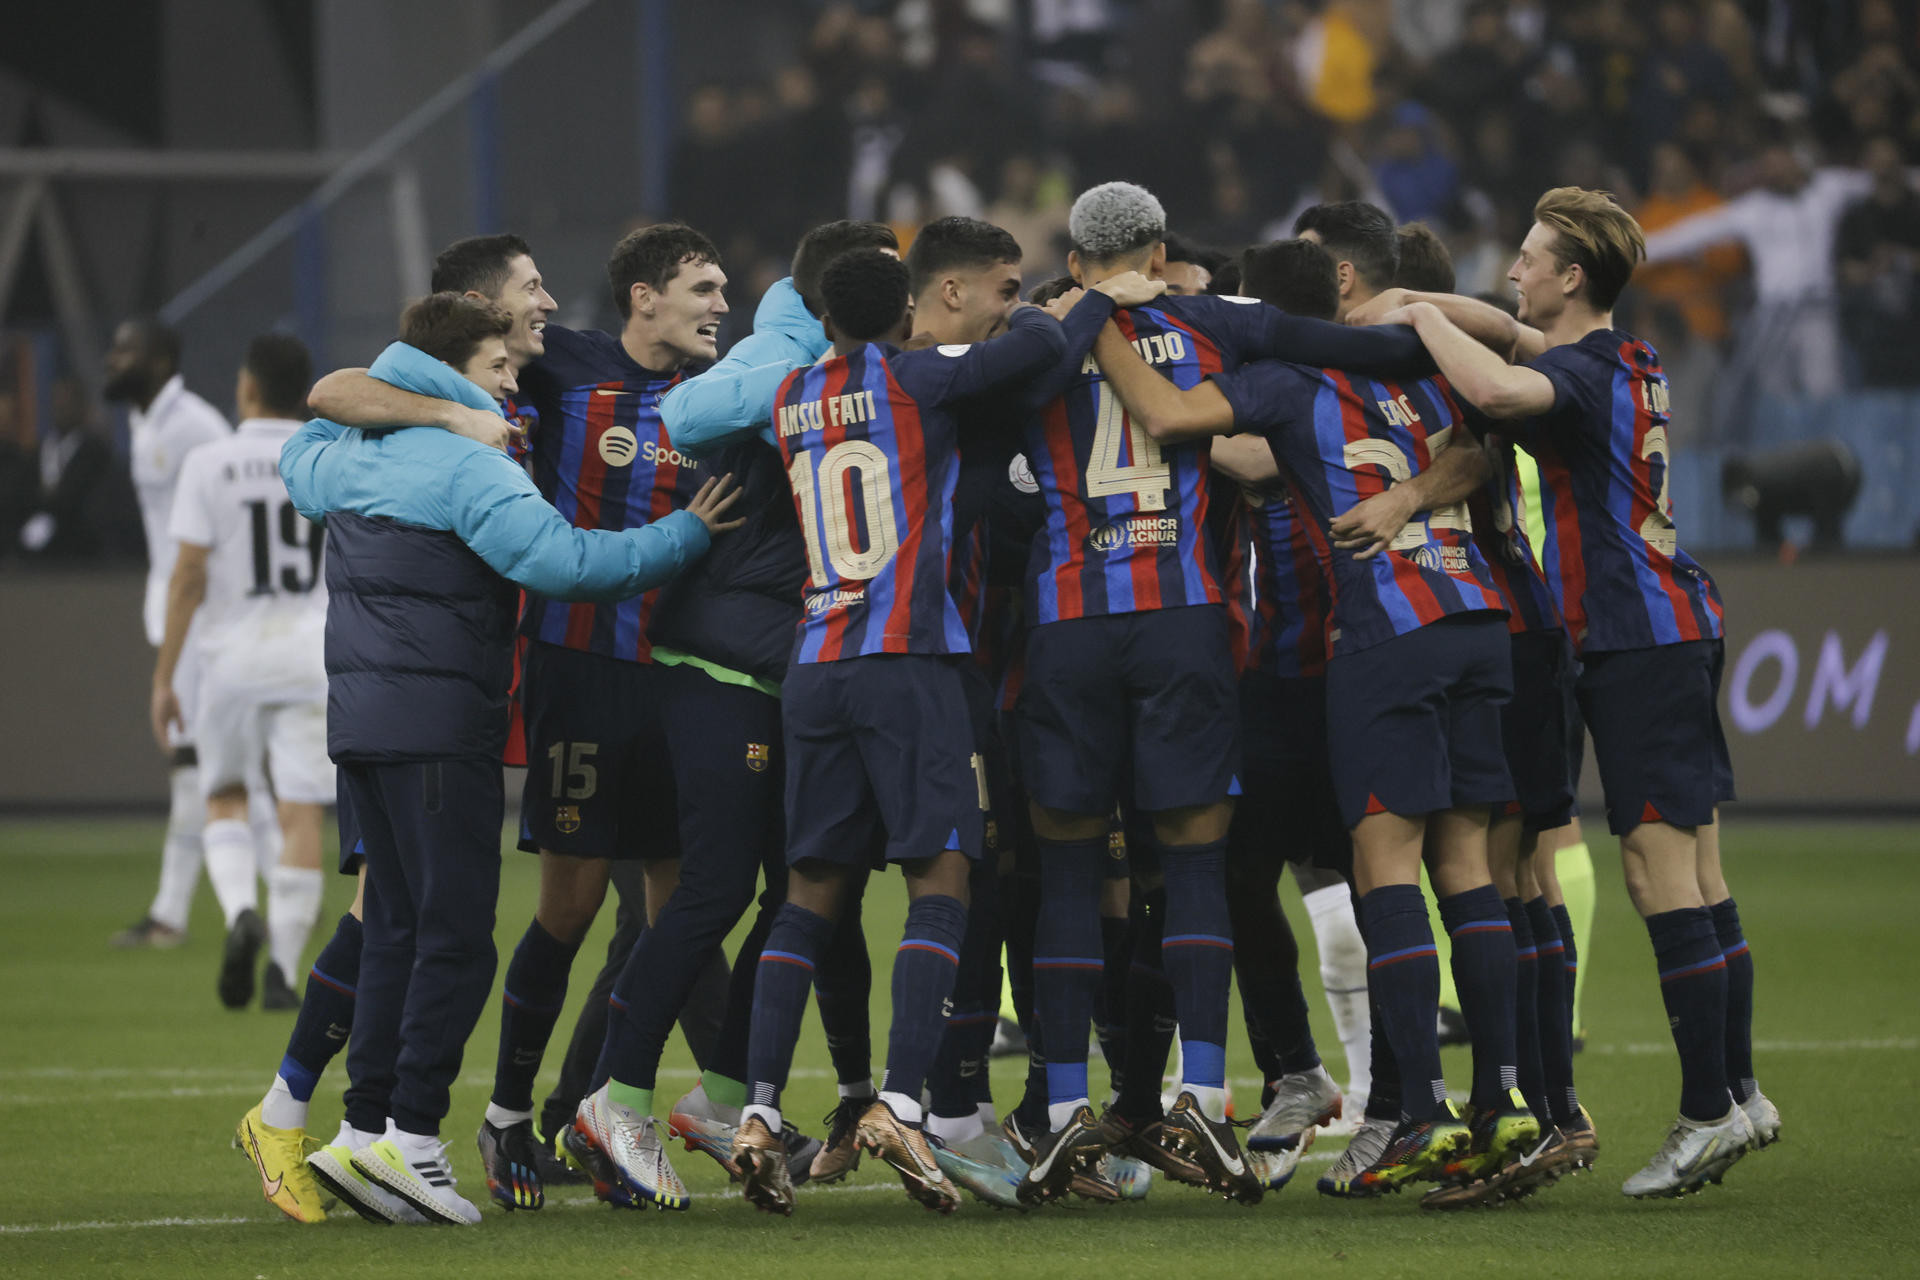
{"points": [[879, 752], [1543, 732], [1286, 811], [1413, 724], [1655, 719], [1145, 702], [599, 782]]}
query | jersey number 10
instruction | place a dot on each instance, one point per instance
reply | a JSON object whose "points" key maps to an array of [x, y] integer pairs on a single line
{"points": [[828, 525], [278, 565]]}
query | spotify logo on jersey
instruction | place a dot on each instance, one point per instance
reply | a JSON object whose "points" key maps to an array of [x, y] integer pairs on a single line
{"points": [[618, 446]]}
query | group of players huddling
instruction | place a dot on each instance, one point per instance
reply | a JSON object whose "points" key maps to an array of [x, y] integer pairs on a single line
{"points": [[1092, 616]]}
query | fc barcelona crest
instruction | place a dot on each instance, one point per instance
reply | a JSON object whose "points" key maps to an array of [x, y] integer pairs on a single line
{"points": [[757, 756], [566, 819]]}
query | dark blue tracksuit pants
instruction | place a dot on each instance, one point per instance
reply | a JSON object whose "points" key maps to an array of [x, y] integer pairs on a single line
{"points": [[432, 836]]}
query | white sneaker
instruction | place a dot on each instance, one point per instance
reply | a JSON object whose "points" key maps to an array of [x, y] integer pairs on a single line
{"points": [[1276, 1168], [633, 1143], [1302, 1100], [426, 1183], [1695, 1153], [332, 1165], [1368, 1145], [1765, 1119]]}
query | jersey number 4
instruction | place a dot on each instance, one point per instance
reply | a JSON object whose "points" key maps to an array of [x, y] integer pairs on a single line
{"points": [[290, 563], [828, 523], [1147, 478]]}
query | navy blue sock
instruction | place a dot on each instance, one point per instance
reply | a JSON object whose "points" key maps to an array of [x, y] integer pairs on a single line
{"points": [[530, 1002], [1483, 973], [953, 1080], [1067, 960], [1526, 1010], [1556, 1041], [1197, 954], [780, 990], [1403, 975], [1150, 1018], [1266, 960], [1733, 947], [924, 967], [326, 1011], [1693, 983], [1383, 1100], [1110, 1001], [1569, 965], [844, 989], [975, 1066]]}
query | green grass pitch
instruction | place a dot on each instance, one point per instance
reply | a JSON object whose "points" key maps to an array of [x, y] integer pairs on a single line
{"points": [[121, 1080]]}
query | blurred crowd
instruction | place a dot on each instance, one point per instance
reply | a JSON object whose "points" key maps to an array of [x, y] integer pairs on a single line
{"points": [[1768, 139], [1765, 145]]}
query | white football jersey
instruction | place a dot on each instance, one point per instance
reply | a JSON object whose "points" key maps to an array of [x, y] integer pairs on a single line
{"points": [[263, 623], [160, 438]]}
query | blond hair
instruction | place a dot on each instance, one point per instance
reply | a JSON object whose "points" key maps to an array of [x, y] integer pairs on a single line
{"points": [[1592, 231]]}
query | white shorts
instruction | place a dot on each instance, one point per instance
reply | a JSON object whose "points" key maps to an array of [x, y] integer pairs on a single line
{"points": [[238, 728]]}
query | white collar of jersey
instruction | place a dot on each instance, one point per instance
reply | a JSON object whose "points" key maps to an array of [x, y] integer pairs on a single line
{"points": [[170, 392], [269, 426]]}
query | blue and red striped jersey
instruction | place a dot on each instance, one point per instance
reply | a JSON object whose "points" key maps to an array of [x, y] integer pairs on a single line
{"points": [[1499, 512], [1124, 514], [1341, 439], [871, 446], [1289, 593], [602, 458], [1611, 554]]}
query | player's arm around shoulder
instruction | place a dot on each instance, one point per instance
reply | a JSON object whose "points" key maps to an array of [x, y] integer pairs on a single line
{"points": [[300, 459], [1498, 389], [359, 398], [499, 513], [1165, 412]]}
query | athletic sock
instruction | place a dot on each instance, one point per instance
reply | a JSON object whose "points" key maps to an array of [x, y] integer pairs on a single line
{"points": [[1151, 1022], [1067, 965], [1569, 968], [1526, 1011], [1266, 961], [1197, 954], [1574, 867], [531, 998], [633, 1096], [293, 905], [1556, 1042], [180, 854], [229, 855], [325, 1019], [724, 1091], [976, 1065], [780, 999], [1110, 997], [1442, 943], [1483, 972], [924, 967], [1403, 972], [1693, 983], [1343, 972], [843, 986], [1733, 948]]}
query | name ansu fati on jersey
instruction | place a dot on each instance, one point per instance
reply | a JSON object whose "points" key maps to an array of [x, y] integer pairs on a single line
{"points": [[828, 411]]}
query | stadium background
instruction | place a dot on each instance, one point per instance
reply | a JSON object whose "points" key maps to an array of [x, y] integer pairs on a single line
{"points": [[240, 165], [249, 164]]}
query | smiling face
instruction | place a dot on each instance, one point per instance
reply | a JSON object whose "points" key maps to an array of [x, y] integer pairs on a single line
{"points": [[524, 297], [686, 313], [491, 369], [985, 297], [1539, 282]]}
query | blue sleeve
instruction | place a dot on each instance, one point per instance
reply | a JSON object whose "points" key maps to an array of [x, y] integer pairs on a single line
{"points": [[499, 513], [299, 466], [412, 369], [1577, 402], [728, 402], [1263, 395], [1033, 344], [1256, 331]]}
